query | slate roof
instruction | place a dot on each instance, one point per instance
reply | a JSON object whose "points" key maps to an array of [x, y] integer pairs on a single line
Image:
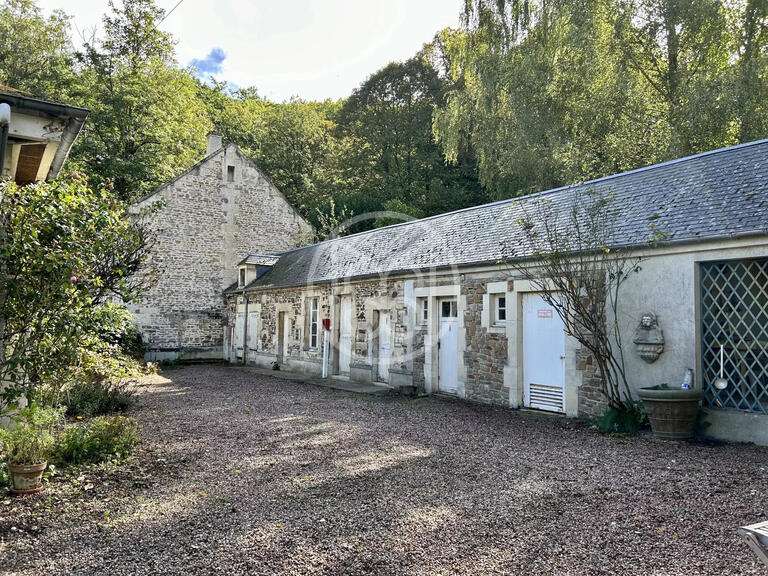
{"points": [[717, 194], [259, 259]]}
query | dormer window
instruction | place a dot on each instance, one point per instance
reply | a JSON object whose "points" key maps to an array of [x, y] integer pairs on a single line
{"points": [[241, 279]]}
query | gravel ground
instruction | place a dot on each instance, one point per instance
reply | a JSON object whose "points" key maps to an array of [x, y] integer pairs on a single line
{"points": [[246, 474]]}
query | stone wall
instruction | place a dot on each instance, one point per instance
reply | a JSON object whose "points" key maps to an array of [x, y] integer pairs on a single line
{"points": [[486, 352], [368, 297], [214, 215], [592, 402]]}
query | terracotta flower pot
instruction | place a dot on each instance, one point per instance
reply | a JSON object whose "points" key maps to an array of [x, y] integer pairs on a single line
{"points": [[27, 478], [672, 411]]}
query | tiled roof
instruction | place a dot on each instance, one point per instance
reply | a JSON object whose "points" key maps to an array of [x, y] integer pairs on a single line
{"points": [[722, 193]]}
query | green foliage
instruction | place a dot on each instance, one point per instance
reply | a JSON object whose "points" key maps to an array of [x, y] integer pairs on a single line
{"points": [[527, 95], [30, 437], [391, 159], [623, 420], [146, 123], [66, 248], [94, 397], [292, 142], [36, 54], [99, 440], [550, 93]]}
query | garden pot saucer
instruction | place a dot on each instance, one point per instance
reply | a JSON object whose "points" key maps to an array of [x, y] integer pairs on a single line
{"points": [[16, 492]]}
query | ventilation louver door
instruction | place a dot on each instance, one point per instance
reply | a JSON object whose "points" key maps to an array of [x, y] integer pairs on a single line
{"points": [[543, 355]]}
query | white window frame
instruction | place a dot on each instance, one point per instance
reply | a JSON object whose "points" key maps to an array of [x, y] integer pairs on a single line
{"points": [[241, 276], [489, 316], [314, 322], [424, 310], [497, 308]]}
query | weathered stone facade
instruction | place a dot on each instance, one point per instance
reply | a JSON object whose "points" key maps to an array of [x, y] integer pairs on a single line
{"points": [[369, 299], [486, 352], [214, 214], [484, 359]]}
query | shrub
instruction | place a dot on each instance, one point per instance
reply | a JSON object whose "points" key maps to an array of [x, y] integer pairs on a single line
{"points": [[31, 437], [100, 440], [622, 421], [95, 397]]}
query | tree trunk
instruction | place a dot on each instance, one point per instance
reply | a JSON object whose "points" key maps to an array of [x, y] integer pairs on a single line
{"points": [[679, 143]]}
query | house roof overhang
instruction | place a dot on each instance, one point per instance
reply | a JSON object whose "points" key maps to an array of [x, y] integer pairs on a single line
{"points": [[40, 136]]}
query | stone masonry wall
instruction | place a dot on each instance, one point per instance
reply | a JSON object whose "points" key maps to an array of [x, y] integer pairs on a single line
{"points": [[208, 224], [295, 303], [486, 352], [592, 401]]}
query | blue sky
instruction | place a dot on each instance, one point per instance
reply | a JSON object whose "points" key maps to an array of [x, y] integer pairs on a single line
{"points": [[314, 49]]}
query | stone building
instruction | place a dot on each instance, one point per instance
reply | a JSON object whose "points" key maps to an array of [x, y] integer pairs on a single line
{"points": [[434, 304], [213, 215]]}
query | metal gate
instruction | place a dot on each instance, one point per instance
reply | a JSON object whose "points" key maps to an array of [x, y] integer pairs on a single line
{"points": [[734, 317]]}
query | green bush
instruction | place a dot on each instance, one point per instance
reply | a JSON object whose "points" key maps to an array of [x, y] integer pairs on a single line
{"points": [[615, 421], [95, 397], [100, 440], [31, 436]]}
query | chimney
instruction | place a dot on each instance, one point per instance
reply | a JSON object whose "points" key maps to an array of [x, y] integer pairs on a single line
{"points": [[213, 143]]}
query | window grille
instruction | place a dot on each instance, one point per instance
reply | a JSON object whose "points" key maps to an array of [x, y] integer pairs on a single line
{"points": [[734, 315]]}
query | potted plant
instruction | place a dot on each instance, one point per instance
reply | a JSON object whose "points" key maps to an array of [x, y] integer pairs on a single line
{"points": [[26, 445], [672, 410]]}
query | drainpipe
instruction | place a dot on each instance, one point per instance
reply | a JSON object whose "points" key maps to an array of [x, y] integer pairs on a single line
{"points": [[5, 125], [245, 328]]}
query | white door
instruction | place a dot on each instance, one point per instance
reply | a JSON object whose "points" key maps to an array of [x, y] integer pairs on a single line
{"points": [[385, 346], [345, 335], [253, 332], [448, 347], [238, 339], [543, 355]]}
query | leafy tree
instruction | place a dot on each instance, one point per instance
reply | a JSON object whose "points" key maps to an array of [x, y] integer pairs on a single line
{"points": [[548, 92], [147, 123], [386, 125], [680, 49], [291, 141], [749, 26], [65, 250], [36, 54], [540, 96], [580, 271]]}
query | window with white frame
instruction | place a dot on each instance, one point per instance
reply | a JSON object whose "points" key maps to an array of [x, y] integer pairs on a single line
{"points": [[500, 309], [424, 310], [314, 321], [241, 279]]}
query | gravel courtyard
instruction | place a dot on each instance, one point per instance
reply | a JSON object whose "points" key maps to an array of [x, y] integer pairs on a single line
{"points": [[240, 473]]}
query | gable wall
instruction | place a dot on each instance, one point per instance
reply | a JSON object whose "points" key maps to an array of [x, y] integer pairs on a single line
{"points": [[206, 227]]}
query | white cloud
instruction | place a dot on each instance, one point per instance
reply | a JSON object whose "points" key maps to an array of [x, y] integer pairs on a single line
{"points": [[313, 49]]}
